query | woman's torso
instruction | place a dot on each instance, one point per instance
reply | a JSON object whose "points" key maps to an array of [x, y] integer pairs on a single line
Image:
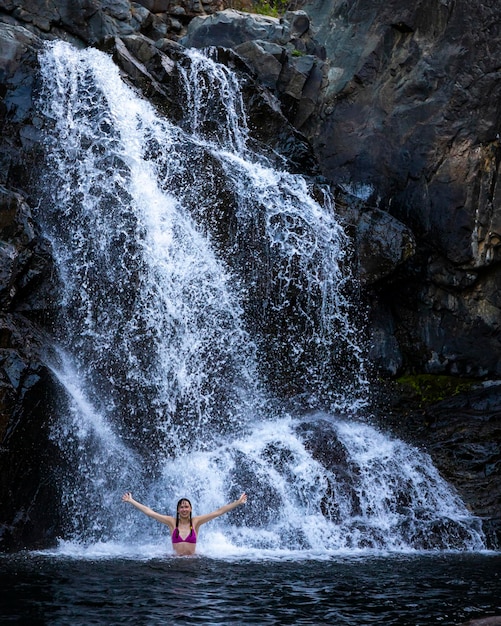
{"points": [[184, 540]]}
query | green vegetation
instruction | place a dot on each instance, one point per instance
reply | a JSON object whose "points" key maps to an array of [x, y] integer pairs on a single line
{"points": [[429, 388], [262, 7], [272, 8]]}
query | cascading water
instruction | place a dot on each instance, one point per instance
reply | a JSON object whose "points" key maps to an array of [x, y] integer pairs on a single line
{"points": [[200, 288]]}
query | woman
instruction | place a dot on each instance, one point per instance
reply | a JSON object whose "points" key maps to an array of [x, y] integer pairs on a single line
{"points": [[184, 528]]}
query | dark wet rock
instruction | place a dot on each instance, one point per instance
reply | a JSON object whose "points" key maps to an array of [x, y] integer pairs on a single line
{"points": [[29, 511], [466, 435], [462, 434], [320, 439], [383, 243], [28, 492], [283, 53], [29, 514], [25, 258], [410, 109]]}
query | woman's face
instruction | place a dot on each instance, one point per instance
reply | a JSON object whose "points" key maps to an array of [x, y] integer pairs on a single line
{"points": [[184, 509]]}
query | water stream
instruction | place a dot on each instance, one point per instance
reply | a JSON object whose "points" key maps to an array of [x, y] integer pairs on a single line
{"points": [[205, 294]]}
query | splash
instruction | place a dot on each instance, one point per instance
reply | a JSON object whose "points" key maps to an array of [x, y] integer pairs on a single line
{"points": [[201, 290]]}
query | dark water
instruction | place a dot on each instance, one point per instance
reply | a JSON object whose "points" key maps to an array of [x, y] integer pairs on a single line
{"points": [[404, 590]]}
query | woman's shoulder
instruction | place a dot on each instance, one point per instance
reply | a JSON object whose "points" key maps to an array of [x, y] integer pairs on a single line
{"points": [[169, 521], [197, 521]]}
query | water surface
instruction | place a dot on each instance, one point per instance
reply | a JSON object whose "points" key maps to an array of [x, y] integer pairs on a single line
{"points": [[363, 589]]}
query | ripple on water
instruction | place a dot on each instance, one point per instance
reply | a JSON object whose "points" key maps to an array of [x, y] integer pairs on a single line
{"points": [[402, 590]]}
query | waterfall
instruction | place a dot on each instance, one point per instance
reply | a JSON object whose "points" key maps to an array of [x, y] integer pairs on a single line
{"points": [[206, 343]]}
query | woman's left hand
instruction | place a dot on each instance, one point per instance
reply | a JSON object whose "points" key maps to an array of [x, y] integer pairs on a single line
{"points": [[127, 497]]}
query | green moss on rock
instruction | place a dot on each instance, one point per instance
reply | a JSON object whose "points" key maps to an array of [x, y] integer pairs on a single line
{"points": [[428, 389]]}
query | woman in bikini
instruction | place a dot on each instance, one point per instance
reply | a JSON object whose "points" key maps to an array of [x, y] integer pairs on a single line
{"points": [[184, 528]]}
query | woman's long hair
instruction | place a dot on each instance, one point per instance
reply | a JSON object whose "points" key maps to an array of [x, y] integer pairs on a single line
{"points": [[177, 511]]}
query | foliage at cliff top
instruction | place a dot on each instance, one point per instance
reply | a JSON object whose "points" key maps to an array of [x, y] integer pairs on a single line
{"points": [[272, 8]]}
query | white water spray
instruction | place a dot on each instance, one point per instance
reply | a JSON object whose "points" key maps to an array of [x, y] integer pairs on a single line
{"points": [[200, 287]]}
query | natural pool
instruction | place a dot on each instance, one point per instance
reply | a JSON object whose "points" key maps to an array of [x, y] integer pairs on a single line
{"points": [[249, 588]]}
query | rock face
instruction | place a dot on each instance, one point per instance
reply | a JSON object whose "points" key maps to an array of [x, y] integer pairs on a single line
{"points": [[410, 110], [462, 434], [281, 52], [400, 103], [25, 301], [465, 441], [91, 21]]}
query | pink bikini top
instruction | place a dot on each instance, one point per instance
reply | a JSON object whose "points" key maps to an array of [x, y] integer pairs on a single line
{"points": [[191, 538]]}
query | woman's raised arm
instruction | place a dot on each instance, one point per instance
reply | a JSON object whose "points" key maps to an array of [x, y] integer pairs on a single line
{"points": [[202, 519], [164, 519]]}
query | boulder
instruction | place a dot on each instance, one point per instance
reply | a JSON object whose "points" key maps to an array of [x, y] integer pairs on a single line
{"points": [[231, 28], [282, 53], [383, 243]]}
